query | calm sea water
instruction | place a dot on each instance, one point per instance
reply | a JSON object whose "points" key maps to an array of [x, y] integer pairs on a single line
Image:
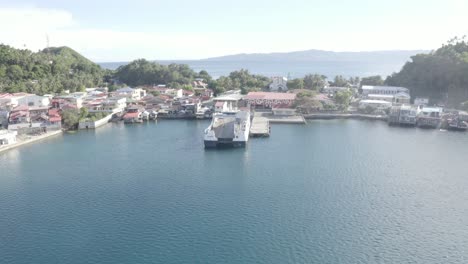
{"points": [[294, 69], [326, 192]]}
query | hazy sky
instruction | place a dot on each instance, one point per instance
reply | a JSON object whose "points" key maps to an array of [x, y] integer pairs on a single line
{"points": [[184, 29]]}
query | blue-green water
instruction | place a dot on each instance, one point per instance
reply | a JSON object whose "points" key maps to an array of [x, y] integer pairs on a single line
{"points": [[327, 192]]}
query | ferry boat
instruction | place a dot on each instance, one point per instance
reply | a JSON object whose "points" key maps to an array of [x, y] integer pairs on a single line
{"points": [[228, 129]]}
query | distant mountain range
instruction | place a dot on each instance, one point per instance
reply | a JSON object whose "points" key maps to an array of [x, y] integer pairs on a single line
{"points": [[322, 55], [299, 63]]}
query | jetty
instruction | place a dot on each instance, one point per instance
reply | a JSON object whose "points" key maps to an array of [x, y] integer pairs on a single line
{"points": [[260, 127]]}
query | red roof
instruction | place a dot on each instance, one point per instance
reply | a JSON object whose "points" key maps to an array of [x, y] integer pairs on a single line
{"points": [[269, 96], [131, 115]]}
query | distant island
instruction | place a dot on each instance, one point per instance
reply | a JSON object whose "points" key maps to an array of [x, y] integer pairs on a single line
{"points": [[322, 55]]}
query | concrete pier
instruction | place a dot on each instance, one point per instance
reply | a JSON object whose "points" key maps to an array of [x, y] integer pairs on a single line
{"points": [[260, 127]]}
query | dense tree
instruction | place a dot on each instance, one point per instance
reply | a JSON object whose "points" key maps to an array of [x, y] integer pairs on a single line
{"points": [[441, 75], [372, 80], [143, 72], [340, 81], [70, 118], [51, 70], [354, 80], [343, 99], [205, 76], [297, 83], [314, 82]]}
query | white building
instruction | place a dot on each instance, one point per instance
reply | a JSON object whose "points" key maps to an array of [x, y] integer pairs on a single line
{"points": [[408, 115], [369, 89], [402, 98], [231, 100], [7, 137], [16, 99], [399, 98], [376, 104], [177, 93], [383, 97], [34, 100], [131, 93], [278, 84]]}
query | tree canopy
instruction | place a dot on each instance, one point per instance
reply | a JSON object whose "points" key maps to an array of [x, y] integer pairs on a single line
{"points": [[51, 70], [441, 75], [372, 80], [143, 72]]}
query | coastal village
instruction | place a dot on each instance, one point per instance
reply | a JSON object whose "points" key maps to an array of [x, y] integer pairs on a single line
{"points": [[28, 117]]}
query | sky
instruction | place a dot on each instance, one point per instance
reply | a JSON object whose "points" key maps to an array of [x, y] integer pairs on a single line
{"points": [[107, 31]]}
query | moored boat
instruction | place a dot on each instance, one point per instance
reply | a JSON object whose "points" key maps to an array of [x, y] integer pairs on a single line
{"points": [[228, 129]]}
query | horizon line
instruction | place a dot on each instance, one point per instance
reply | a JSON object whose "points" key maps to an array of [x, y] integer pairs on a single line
{"points": [[270, 53]]}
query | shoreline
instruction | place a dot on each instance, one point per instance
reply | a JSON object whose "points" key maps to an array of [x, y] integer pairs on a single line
{"points": [[346, 116], [31, 140]]}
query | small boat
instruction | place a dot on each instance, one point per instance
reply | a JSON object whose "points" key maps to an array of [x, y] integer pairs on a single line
{"points": [[153, 115], [458, 125], [145, 115]]}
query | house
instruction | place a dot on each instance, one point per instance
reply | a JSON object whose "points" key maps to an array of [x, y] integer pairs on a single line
{"points": [[398, 98], [408, 115], [19, 118], [13, 100], [278, 84], [131, 93], [7, 137], [402, 98], [55, 120], [39, 116], [34, 100], [16, 99], [221, 106], [162, 89], [134, 114], [177, 93], [232, 99], [75, 99], [204, 93], [109, 105], [187, 93], [369, 89], [270, 100]]}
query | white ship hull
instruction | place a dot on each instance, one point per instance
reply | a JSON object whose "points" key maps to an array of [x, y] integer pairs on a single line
{"points": [[228, 129]]}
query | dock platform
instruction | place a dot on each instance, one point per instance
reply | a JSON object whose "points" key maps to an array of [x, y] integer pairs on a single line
{"points": [[260, 127]]}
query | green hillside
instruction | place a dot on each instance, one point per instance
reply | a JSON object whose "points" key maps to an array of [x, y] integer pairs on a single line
{"points": [[51, 70]]}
